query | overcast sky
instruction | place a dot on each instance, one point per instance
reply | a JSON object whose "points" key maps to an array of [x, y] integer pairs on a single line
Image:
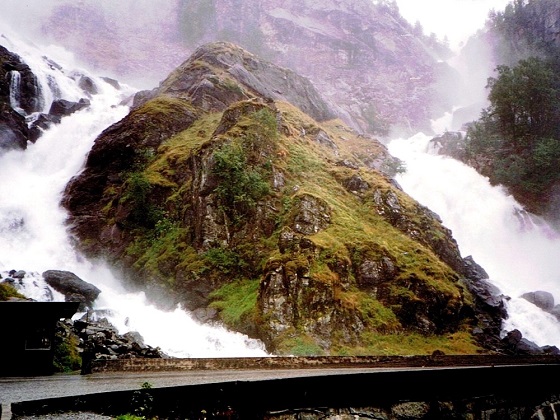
{"points": [[458, 19]]}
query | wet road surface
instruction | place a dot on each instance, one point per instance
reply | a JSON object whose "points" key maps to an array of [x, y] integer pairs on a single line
{"points": [[17, 389]]}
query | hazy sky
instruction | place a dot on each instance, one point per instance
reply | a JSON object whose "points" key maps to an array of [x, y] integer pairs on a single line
{"points": [[458, 19]]}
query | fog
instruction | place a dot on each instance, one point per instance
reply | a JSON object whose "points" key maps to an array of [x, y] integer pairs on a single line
{"points": [[120, 39], [455, 19], [136, 40], [29, 16]]}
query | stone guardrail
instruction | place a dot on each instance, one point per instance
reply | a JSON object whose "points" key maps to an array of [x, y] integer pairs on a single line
{"points": [[179, 364]]}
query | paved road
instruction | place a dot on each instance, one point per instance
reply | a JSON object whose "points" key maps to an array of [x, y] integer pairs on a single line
{"points": [[17, 389], [348, 384]]}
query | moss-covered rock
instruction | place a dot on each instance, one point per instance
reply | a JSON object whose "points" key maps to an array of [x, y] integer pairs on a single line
{"points": [[280, 224]]}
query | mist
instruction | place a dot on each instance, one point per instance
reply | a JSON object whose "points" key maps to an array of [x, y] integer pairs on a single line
{"points": [[119, 39], [461, 24], [455, 20]]}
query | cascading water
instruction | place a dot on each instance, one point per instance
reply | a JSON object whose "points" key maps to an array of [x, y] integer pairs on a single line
{"points": [[32, 222], [15, 92], [519, 253]]}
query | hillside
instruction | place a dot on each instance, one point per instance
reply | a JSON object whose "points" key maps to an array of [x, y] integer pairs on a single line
{"points": [[233, 190]]}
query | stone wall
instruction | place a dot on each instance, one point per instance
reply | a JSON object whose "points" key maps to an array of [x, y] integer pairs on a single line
{"points": [[177, 364]]}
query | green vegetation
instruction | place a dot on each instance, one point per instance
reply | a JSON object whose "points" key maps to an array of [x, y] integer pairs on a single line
{"points": [[8, 291], [411, 344], [237, 302], [66, 356], [523, 29], [520, 130], [300, 345], [516, 141], [225, 260], [240, 187], [242, 164], [136, 195], [142, 402]]}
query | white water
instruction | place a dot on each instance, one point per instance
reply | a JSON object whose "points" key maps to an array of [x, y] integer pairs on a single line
{"points": [[32, 230], [487, 223]]}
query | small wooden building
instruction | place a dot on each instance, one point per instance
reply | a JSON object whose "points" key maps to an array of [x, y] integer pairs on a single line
{"points": [[27, 332]]}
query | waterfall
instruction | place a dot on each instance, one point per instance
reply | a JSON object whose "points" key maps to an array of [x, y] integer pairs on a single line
{"points": [[15, 92], [32, 222], [519, 252]]}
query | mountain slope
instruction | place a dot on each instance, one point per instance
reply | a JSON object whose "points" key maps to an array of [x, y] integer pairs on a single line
{"points": [[219, 192], [382, 73]]}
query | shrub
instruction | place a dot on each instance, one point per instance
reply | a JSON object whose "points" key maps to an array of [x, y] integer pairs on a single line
{"points": [[66, 356], [240, 186]]}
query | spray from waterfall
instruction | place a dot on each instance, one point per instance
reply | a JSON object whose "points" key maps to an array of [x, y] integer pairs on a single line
{"points": [[517, 250]]}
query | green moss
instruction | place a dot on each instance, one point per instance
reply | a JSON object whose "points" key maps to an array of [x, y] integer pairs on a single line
{"points": [[66, 356], [192, 262], [160, 252], [410, 344], [179, 147], [7, 291], [236, 302], [159, 110], [373, 313], [298, 344], [129, 417], [232, 86]]}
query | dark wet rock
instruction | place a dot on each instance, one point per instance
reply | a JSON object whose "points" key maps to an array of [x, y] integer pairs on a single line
{"points": [[62, 107], [72, 287], [100, 340]]}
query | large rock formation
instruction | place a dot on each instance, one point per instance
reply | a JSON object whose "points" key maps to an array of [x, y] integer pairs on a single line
{"points": [[221, 193]]}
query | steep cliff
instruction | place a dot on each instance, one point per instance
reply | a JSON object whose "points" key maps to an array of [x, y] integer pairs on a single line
{"points": [[233, 190], [380, 71]]}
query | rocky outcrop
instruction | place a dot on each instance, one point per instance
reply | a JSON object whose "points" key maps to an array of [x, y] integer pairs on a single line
{"points": [[544, 300], [218, 188], [218, 75], [97, 339], [22, 101]]}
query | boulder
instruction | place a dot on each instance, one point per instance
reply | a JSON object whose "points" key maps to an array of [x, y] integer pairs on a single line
{"points": [[62, 107], [72, 287], [540, 298]]}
